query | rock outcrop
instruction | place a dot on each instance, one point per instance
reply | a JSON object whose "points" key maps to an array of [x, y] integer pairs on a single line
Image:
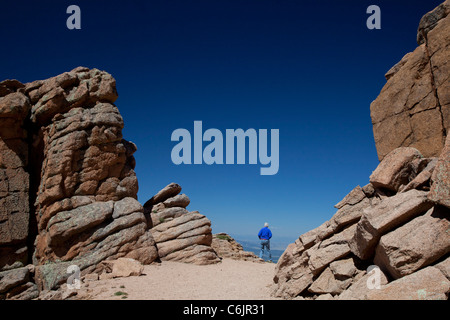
{"points": [[68, 191], [413, 108], [404, 233], [14, 176], [87, 189], [227, 247], [399, 222], [180, 235]]}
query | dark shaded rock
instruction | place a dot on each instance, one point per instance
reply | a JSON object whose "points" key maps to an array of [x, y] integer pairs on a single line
{"points": [[440, 188]]}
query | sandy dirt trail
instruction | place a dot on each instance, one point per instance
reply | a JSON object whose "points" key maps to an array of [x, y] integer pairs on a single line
{"points": [[228, 280]]}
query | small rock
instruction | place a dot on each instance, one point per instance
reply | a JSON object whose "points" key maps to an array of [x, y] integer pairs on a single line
{"points": [[106, 276], [396, 169], [91, 277], [126, 267]]}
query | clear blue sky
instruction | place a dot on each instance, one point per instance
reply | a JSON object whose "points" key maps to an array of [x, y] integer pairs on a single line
{"points": [[308, 68]]}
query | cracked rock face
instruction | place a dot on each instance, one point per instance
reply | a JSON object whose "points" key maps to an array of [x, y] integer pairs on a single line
{"points": [[413, 108], [68, 191], [14, 178], [86, 172]]}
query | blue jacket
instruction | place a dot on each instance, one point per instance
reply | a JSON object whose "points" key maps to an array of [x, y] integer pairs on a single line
{"points": [[265, 233]]}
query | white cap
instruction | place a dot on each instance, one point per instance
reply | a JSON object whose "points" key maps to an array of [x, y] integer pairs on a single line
{"points": [[266, 224]]}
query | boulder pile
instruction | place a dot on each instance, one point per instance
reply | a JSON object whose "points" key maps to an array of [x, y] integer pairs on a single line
{"points": [[398, 222]]}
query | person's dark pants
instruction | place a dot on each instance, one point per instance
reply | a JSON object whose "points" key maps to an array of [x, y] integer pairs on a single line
{"points": [[265, 244]]}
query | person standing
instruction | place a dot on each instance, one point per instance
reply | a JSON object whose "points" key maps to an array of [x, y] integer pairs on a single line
{"points": [[264, 235]]}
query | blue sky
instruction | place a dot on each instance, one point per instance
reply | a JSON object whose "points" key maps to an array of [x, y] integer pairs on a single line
{"points": [[308, 68]]}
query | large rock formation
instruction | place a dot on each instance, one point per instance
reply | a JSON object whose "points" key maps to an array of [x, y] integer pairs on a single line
{"points": [[413, 108], [400, 220], [67, 186], [180, 235], [401, 232], [68, 190]]}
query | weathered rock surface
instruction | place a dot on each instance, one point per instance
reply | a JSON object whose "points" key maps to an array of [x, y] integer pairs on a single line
{"points": [[413, 108], [417, 243], [359, 289], [227, 247], [440, 188], [180, 200], [16, 284], [396, 169], [67, 184], [14, 178], [179, 235], [422, 180], [329, 250], [86, 196], [444, 267], [298, 268], [425, 284], [327, 282], [167, 192], [68, 188], [123, 267], [338, 277], [387, 215], [430, 20], [400, 231]]}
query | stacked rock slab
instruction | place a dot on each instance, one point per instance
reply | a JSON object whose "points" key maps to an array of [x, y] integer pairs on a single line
{"points": [[400, 231], [67, 177], [180, 235], [413, 108]]}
